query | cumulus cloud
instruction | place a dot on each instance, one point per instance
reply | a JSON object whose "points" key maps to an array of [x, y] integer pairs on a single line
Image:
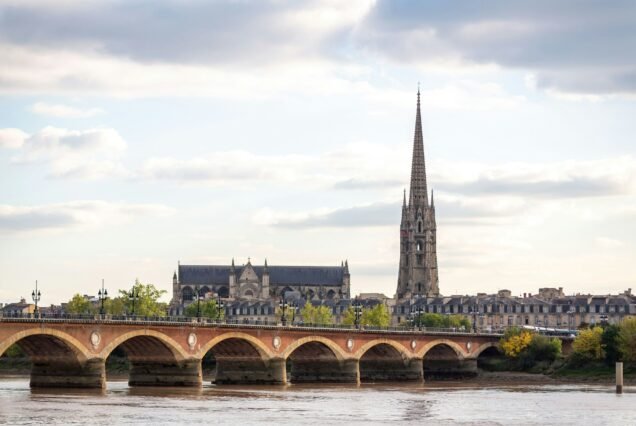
{"points": [[63, 111], [572, 47], [12, 138], [74, 215], [92, 153]]}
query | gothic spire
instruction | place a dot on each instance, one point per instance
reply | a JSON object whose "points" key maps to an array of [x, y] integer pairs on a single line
{"points": [[418, 194], [432, 199]]}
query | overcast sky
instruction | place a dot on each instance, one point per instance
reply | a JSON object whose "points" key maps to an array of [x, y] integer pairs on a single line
{"points": [[136, 134]]}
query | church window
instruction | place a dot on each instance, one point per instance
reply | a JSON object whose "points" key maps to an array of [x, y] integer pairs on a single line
{"points": [[419, 259], [249, 293], [331, 294], [419, 287], [419, 226], [187, 294], [419, 246], [223, 292]]}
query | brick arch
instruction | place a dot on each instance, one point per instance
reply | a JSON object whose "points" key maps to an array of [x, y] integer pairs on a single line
{"points": [[80, 350], [483, 347], [179, 353], [461, 354], [262, 349], [337, 350], [395, 345]]}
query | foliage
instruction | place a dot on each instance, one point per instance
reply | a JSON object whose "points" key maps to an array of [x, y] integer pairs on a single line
{"points": [[349, 316], [587, 344], [378, 316], [207, 309], [444, 321], [147, 302], [609, 343], [627, 339], [115, 306], [14, 351], [542, 348], [515, 341], [316, 314], [79, 305]]}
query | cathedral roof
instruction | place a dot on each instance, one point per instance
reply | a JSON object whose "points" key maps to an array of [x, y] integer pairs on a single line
{"points": [[278, 275]]}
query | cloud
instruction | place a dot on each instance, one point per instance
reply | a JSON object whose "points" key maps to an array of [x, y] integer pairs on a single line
{"points": [[86, 154], [567, 179], [64, 111], [379, 214], [12, 138], [244, 32], [74, 215], [573, 47]]}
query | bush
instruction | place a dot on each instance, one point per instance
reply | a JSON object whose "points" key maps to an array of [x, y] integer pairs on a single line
{"points": [[588, 344], [627, 339]]}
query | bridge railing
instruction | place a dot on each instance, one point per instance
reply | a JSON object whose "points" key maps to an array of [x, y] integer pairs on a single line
{"points": [[232, 323]]}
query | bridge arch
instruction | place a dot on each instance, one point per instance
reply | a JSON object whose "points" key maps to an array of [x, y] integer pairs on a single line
{"points": [[387, 360], [168, 343], [338, 352], [257, 344], [78, 349], [461, 354], [483, 348], [404, 353]]}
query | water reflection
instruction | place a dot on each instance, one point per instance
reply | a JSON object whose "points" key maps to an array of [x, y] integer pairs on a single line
{"points": [[436, 403]]}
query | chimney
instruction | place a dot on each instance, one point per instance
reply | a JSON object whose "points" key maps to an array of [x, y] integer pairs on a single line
{"points": [[524, 295]]}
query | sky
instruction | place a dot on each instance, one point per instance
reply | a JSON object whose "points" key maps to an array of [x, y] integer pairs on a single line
{"points": [[138, 134]]}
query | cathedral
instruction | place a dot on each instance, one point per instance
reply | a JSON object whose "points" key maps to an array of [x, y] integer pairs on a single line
{"points": [[417, 276]]}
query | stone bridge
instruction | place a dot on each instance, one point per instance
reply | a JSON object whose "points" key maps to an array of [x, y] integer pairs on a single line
{"points": [[72, 353]]}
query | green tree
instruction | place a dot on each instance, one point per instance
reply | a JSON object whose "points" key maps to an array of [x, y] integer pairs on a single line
{"points": [[207, 309], [543, 348], [609, 343], [79, 305], [349, 316], [115, 305], [378, 316], [320, 315], [587, 345], [627, 339], [147, 302]]}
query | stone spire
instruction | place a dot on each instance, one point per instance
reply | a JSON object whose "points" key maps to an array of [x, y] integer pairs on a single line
{"points": [[418, 195]]}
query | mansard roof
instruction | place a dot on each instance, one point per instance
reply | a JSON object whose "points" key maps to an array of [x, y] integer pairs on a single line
{"points": [[278, 275]]}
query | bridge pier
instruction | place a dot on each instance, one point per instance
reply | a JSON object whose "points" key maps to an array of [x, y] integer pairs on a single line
{"points": [[46, 373], [250, 371], [325, 371], [391, 370], [170, 373]]}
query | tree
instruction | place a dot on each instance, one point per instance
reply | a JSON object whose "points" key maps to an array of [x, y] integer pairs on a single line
{"points": [[378, 316], [444, 321], [587, 344], [207, 309], [609, 343], [115, 305], [316, 314], [627, 339], [79, 305], [542, 348], [147, 302], [349, 316], [515, 341]]}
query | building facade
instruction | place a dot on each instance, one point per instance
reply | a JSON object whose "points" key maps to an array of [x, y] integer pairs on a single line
{"points": [[258, 289], [418, 276], [550, 308]]}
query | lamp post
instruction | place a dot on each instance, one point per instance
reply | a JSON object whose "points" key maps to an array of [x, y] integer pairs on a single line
{"points": [[197, 292], [283, 307], [475, 311], [357, 312], [35, 295], [132, 296], [293, 308], [219, 307], [103, 294]]}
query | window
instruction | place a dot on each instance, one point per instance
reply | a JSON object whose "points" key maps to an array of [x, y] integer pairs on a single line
{"points": [[419, 259], [419, 226], [419, 246]]}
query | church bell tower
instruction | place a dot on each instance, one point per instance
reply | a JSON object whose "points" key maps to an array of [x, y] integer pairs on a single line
{"points": [[418, 244]]}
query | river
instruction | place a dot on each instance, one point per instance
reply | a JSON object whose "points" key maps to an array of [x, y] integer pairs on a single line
{"points": [[438, 403]]}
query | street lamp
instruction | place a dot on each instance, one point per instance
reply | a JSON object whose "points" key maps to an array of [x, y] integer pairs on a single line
{"points": [[132, 296], [197, 292], [35, 295], [293, 308], [219, 307], [475, 311], [417, 316], [357, 312], [283, 307], [103, 294]]}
